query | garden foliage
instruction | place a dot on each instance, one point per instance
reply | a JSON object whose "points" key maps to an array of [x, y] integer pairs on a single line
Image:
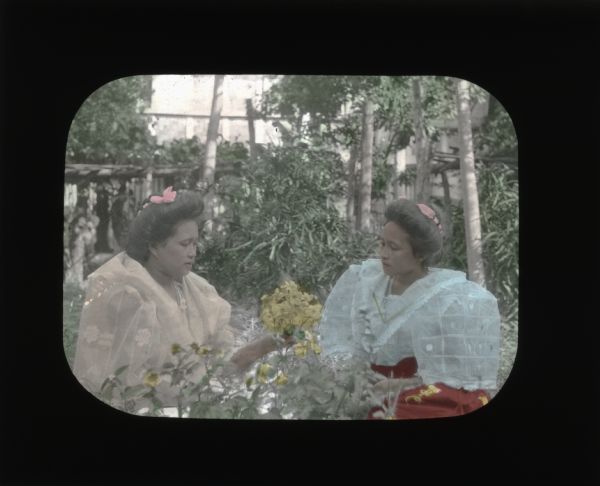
{"points": [[291, 383], [285, 385], [282, 222], [499, 208]]}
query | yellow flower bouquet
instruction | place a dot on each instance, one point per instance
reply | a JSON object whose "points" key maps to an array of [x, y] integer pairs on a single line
{"points": [[289, 310]]}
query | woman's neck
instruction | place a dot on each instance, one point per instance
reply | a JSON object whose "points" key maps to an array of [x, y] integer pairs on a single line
{"points": [[157, 274], [400, 282]]}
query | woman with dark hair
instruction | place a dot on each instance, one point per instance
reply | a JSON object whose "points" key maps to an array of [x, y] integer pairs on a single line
{"points": [[431, 333], [144, 300]]}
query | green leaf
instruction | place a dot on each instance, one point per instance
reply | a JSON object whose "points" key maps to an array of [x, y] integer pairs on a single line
{"points": [[107, 394], [132, 392], [255, 394], [121, 370], [105, 384]]}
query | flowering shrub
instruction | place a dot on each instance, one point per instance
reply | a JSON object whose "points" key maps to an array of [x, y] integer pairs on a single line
{"points": [[293, 383], [197, 377], [301, 385]]}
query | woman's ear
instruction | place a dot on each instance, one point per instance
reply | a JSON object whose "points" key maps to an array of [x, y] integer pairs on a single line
{"points": [[419, 258]]}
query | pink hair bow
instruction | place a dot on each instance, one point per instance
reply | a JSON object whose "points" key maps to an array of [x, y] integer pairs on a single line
{"points": [[167, 197], [430, 213]]}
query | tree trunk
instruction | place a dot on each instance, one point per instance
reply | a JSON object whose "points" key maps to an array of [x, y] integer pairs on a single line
{"points": [[351, 199], [208, 174], [423, 182], [251, 132], [299, 122], [366, 167], [392, 183], [469, 185], [449, 230]]}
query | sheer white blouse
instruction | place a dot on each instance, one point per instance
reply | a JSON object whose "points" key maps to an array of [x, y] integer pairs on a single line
{"points": [[448, 323], [129, 319]]}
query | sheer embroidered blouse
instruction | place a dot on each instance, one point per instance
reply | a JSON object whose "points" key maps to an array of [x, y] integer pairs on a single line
{"points": [[448, 323], [129, 319]]}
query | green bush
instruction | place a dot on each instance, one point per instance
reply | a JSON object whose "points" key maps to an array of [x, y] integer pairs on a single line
{"points": [[499, 211], [109, 127], [282, 222], [180, 152], [499, 206], [455, 248], [283, 385]]}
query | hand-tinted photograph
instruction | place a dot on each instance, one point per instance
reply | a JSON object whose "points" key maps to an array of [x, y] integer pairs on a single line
{"points": [[295, 247]]}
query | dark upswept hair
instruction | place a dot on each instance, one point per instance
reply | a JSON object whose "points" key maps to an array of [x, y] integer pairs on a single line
{"points": [[156, 222], [425, 236]]}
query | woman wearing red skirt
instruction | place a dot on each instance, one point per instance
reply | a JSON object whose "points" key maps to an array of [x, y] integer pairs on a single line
{"points": [[431, 334]]}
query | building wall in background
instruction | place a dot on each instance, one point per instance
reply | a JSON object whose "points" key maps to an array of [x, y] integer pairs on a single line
{"points": [[180, 107]]}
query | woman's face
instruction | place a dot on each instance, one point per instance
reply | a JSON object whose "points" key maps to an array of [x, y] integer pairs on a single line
{"points": [[176, 255], [397, 256]]}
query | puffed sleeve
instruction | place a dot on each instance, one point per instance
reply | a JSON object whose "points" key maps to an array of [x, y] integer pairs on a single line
{"points": [[335, 327], [117, 328], [457, 340], [210, 315], [224, 335]]}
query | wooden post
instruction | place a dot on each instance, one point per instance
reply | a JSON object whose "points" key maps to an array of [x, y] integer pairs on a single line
{"points": [[147, 184], [251, 132]]}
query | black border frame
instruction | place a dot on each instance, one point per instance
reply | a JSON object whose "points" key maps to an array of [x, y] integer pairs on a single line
{"points": [[538, 62]]}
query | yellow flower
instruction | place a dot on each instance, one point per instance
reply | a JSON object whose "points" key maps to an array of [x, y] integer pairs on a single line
{"points": [[262, 372], [300, 349], [203, 350], [151, 379], [281, 379], [314, 344], [288, 308], [175, 348]]}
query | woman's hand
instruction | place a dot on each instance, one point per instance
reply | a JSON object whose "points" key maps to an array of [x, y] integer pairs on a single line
{"points": [[247, 355], [394, 386]]}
